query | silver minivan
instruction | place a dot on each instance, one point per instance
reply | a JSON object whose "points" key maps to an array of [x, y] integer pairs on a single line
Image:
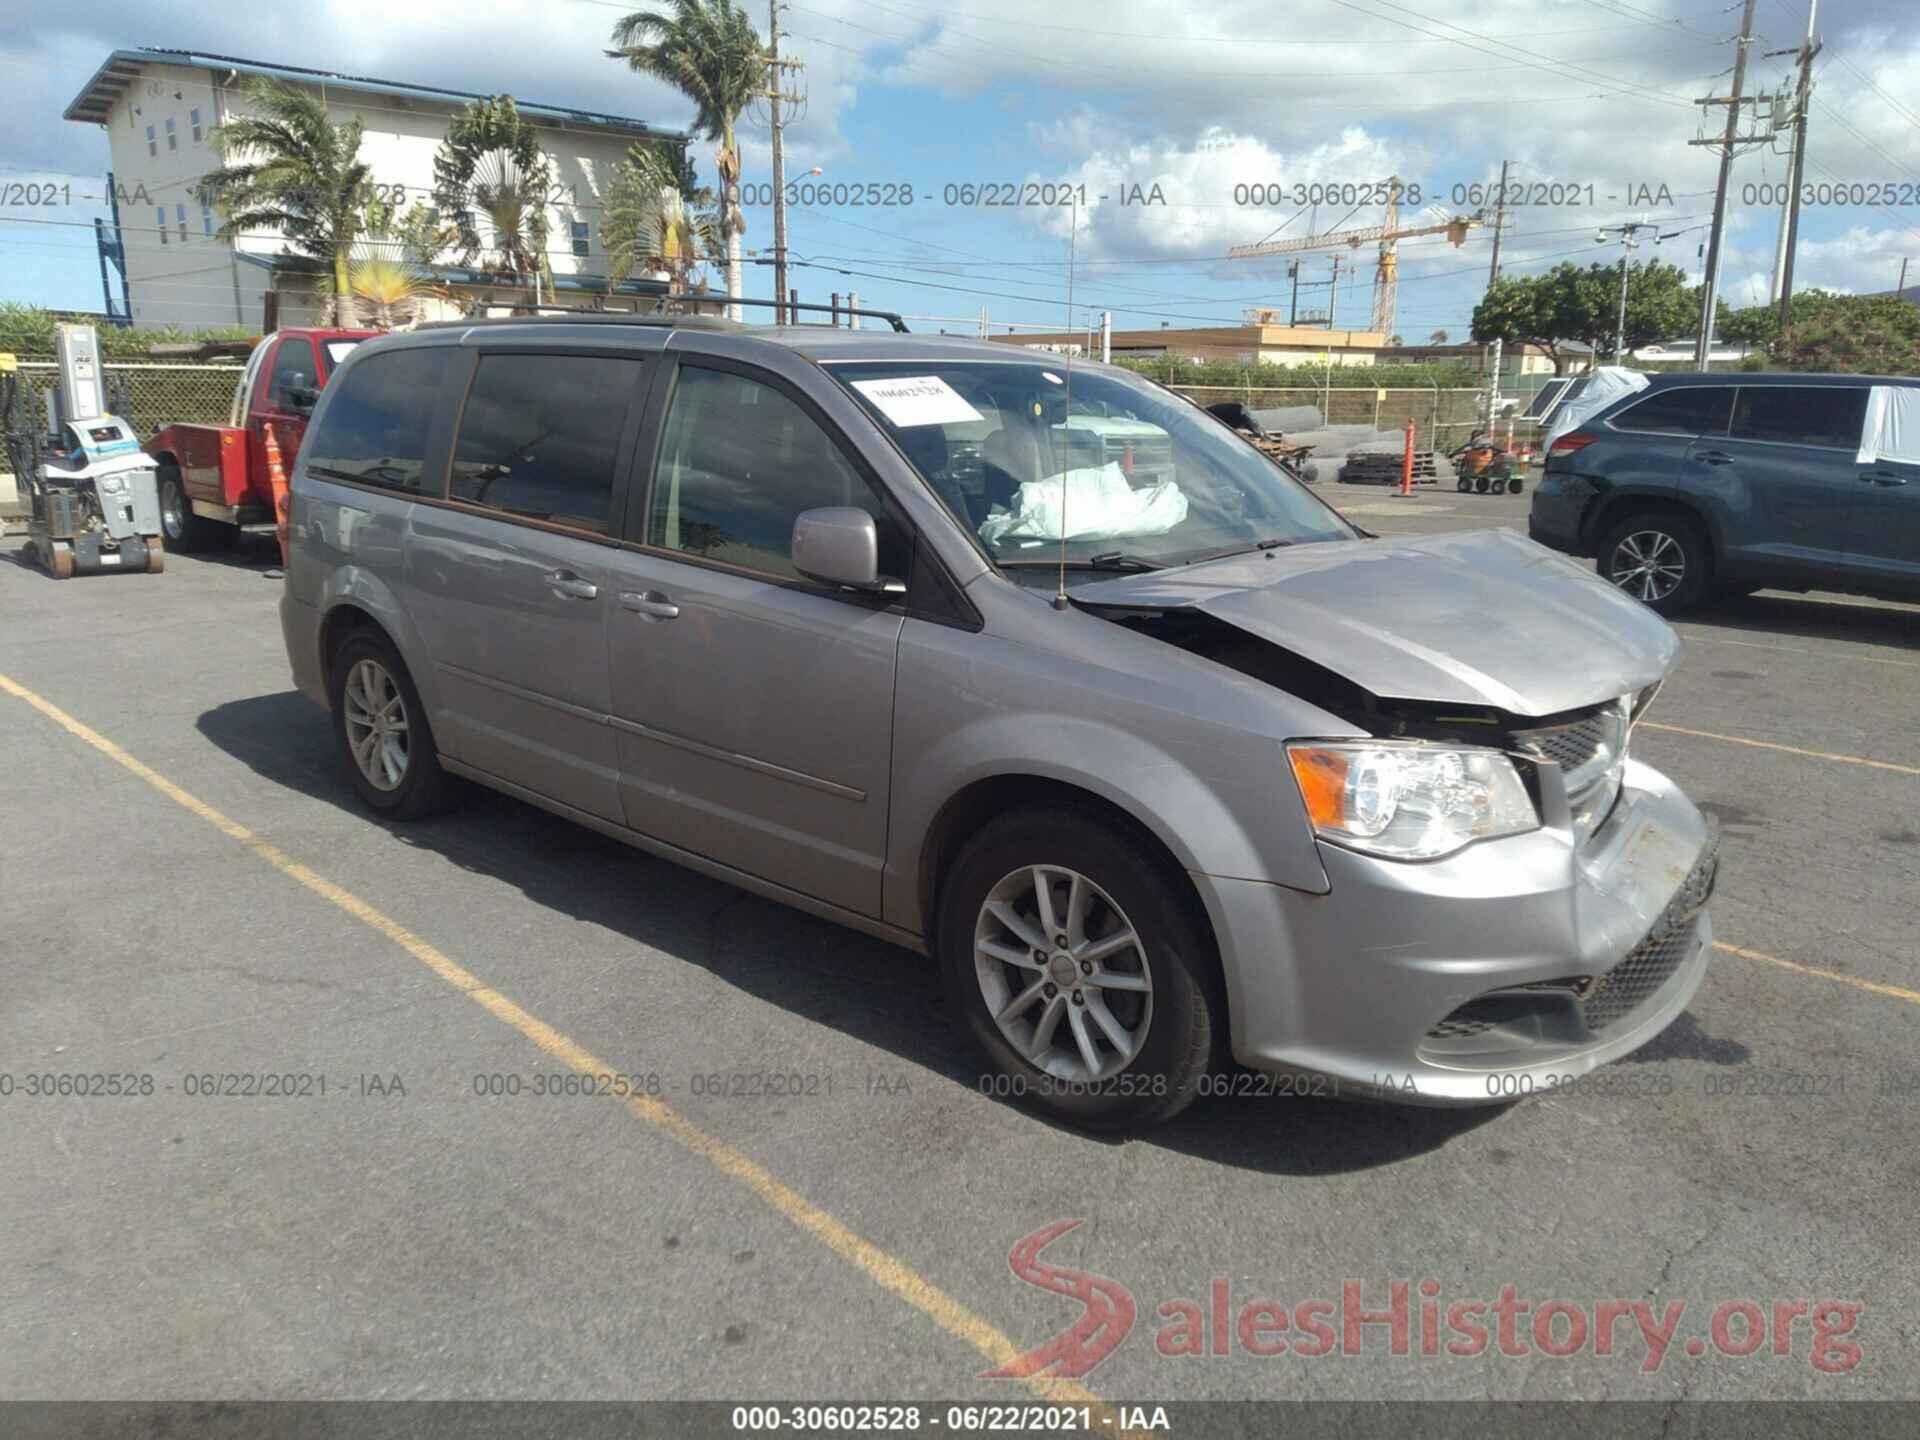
{"points": [[1166, 764]]}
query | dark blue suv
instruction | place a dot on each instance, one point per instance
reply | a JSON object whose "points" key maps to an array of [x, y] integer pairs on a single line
{"points": [[1738, 482]]}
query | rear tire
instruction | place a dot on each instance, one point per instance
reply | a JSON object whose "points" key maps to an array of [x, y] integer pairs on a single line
{"points": [[179, 526], [1138, 965], [1658, 557], [382, 731]]}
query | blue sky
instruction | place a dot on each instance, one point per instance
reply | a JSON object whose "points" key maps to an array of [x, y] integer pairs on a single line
{"points": [[1590, 100]]}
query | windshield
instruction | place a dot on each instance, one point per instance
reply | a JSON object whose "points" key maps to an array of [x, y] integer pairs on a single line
{"points": [[1118, 467]]}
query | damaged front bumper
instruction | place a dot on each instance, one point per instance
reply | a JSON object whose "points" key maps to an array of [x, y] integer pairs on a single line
{"points": [[1513, 966]]}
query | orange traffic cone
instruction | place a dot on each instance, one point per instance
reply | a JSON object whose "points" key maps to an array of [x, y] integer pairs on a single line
{"points": [[277, 480]]}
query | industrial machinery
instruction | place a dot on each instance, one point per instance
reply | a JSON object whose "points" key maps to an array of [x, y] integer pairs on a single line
{"points": [[89, 487]]}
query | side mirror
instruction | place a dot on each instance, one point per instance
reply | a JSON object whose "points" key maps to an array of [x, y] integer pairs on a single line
{"points": [[838, 545], [302, 398]]}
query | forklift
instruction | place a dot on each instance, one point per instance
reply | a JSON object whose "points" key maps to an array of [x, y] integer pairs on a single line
{"points": [[92, 498]]}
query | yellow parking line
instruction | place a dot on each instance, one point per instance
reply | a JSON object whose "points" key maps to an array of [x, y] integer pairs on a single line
{"points": [[1788, 749], [1694, 636], [1872, 987], [886, 1271]]}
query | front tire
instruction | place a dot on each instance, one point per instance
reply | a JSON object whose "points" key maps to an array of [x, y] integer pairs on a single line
{"points": [[1659, 558], [382, 731], [1108, 1017]]}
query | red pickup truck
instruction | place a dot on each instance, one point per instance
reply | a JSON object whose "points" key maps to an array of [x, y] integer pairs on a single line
{"points": [[213, 478]]}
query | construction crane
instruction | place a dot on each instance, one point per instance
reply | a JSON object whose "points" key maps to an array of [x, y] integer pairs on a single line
{"points": [[1386, 275]]}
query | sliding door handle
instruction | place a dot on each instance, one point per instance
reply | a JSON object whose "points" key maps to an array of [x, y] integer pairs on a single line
{"points": [[650, 603], [569, 585]]}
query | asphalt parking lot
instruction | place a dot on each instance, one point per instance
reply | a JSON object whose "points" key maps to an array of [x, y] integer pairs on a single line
{"points": [[192, 893]]}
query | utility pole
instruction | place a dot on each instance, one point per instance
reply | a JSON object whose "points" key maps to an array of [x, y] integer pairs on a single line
{"points": [[1293, 305], [1333, 291], [775, 95], [1629, 234], [1499, 222], [1796, 168], [1901, 293], [1727, 144], [1493, 384]]}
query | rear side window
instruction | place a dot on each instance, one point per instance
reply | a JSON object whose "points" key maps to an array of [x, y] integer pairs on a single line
{"points": [[376, 423], [1801, 415], [540, 435], [1680, 410], [292, 367], [738, 462]]}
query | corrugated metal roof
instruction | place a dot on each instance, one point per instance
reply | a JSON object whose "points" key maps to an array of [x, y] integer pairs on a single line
{"points": [[95, 101]]}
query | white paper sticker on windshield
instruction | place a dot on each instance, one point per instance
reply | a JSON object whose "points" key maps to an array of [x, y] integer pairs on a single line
{"points": [[918, 400]]}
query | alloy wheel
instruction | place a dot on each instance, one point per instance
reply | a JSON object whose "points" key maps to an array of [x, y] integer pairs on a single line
{"points": [[1063, 973], [173, 511], [1648, 564], [376, 715]]}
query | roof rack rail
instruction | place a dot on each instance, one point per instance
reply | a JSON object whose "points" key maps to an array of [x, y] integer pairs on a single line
{"points": [[569, 315], [891, 317]]}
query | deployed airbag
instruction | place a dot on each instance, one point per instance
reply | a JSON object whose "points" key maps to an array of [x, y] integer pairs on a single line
{"points": [[1094, 503]]}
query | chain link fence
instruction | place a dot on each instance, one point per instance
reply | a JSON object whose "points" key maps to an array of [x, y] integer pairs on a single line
{"points": [[1442, 418], [148, 396]]}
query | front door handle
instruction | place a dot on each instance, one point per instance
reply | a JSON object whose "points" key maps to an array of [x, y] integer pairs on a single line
{"points": [[1714, 457], [650, 603], [1880, 477], [569, 585]]}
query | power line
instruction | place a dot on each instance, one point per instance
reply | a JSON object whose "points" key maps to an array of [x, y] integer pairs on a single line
{"points": [[1240, 41]]}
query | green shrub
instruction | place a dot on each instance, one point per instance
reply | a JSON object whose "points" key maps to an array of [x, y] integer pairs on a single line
{"points": [[27, 331]]}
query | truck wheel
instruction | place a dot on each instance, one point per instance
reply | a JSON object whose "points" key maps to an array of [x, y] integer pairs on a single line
{"points": [[182, 529], [1079, 966], [1659, 558], [383, 733]]}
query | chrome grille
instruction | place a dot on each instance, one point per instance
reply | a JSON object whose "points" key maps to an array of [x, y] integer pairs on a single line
{"points": [[1585, 748], [1591, 752]]}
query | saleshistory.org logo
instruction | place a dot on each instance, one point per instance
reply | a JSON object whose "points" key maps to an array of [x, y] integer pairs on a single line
{"points": [[1508, 1325]]}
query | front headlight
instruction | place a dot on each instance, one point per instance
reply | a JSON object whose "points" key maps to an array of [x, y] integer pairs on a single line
{"points": [[1407, 800]]}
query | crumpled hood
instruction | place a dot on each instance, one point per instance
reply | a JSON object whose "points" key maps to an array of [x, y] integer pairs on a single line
{"points": [[1483, 618]]}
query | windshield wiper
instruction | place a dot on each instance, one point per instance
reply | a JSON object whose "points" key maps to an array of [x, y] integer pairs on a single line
{"points": [[1118, 560], [1105, 560]]}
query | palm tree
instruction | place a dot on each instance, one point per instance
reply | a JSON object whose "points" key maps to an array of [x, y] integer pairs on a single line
{"points": [[650, 215], [1439, 337], [287, 167], [709, 52], [389, 265], [491, 165]]}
